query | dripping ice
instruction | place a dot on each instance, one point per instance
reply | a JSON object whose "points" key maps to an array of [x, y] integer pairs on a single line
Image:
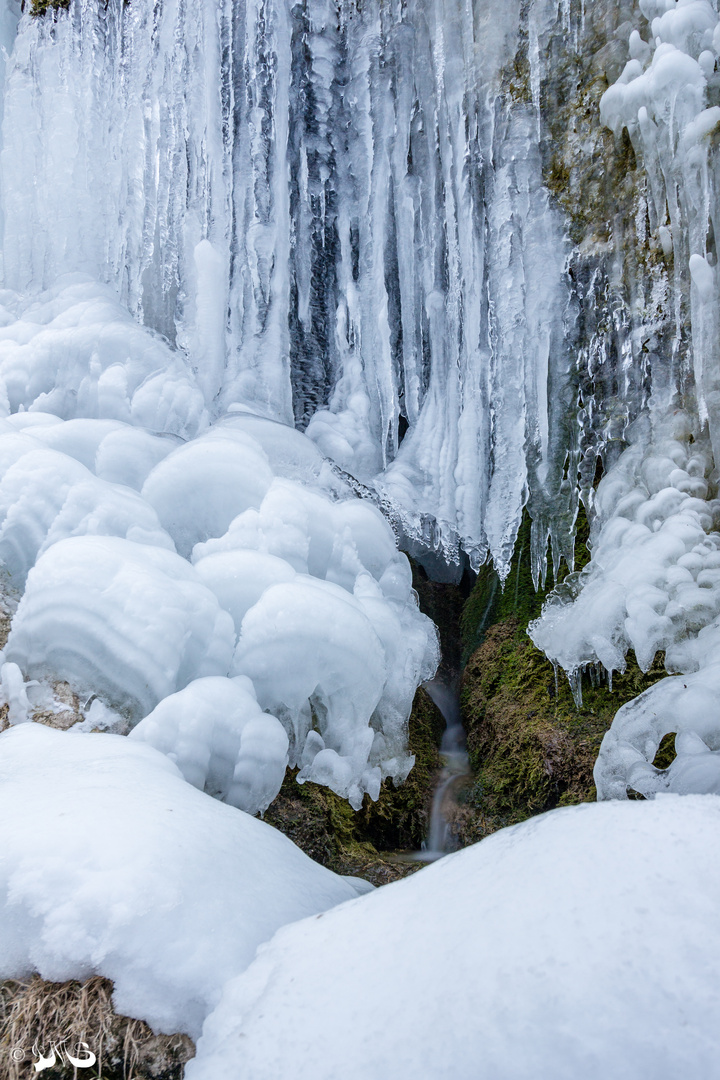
{"points": [[327, 210]]}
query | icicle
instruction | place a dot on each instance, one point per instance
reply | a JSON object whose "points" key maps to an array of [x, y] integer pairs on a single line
{"points": [[575, 680]]}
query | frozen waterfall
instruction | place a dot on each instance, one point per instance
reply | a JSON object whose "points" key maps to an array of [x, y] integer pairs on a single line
{"points": [[331, 211], [368, 221]]}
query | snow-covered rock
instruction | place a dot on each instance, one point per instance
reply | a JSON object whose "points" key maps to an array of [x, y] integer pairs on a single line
{"points": [[583, 943], [111, 864]]}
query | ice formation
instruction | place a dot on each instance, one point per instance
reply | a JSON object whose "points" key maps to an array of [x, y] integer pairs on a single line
{"points": [[208, 883], [99, 515], [74, 351], [221, 740], [653, 584], [130, 622], [261, 258], [326, 209], [520, 972]]}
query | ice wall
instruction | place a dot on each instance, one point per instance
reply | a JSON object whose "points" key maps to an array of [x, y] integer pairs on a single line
{"points": [[333, 212]]}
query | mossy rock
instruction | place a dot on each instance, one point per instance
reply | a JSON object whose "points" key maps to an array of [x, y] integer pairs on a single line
{"points": [[364, 843], [530, 748], [42, 7], [490, 602]]}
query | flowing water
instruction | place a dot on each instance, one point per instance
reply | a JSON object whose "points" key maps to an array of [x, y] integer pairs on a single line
{"points": [[455, 767]]}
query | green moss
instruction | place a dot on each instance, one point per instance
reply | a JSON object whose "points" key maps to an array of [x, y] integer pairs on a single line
{"points": [[530, 749], [331, 832], [489, 602], [42, 7]]}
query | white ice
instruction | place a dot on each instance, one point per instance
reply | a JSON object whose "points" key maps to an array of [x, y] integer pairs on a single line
{"points": [[221, 740]]}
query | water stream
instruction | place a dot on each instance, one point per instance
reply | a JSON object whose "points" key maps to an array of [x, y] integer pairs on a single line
{"points": [[455, 767]]}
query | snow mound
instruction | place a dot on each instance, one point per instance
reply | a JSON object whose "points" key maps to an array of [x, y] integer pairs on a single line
{"points": [[130, 622], [543, 951], [110, 863], [222, 742]]}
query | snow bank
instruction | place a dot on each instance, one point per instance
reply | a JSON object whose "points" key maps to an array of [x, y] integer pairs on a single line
{"points": [[580, 944], [110, 863]]}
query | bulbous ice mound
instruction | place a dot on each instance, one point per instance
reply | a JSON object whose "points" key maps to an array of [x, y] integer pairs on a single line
{"points": [[46, 496], [221, 740], [130, 622], [201, 487], [140, 877], [686, 705], [316, 661], [75, 351], [115, 622], [110, 448], [654, 577], [523, 971]]}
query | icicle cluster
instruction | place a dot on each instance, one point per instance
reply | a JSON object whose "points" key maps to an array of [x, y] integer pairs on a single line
{"points": [[330, 210]]}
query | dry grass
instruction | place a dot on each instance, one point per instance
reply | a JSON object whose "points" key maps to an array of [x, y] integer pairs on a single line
{"points": [[35, 1013]]}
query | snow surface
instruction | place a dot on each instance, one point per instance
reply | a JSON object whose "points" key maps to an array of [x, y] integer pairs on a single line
{"points": [[583, 943], [111, 864]]}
